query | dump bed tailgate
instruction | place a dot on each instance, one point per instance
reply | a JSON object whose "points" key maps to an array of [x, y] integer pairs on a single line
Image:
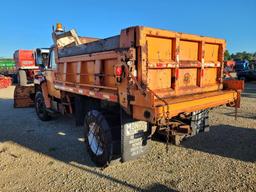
{"points": [[176, 64]]}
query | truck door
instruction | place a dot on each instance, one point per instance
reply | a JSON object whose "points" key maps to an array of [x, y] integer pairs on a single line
{"points": [[50, 74]]}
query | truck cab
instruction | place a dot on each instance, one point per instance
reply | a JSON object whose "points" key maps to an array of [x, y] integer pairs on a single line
{"points": [[41, 56]]}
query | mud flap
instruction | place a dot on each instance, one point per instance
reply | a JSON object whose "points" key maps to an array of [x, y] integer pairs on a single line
{"points": [[134, 138], [80, 110], [199, 122]]}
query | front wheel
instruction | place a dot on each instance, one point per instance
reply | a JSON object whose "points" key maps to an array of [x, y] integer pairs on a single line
{"points": [[40, 107], [98, 138]]}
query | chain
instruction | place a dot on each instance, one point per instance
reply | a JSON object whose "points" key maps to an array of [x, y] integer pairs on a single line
{"points": [[167, 130]]}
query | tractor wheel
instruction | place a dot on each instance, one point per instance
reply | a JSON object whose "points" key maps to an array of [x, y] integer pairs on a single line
{"points": [[22, 78], [40, 107], [98, 138]]}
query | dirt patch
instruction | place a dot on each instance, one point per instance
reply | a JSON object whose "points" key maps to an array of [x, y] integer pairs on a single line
{"points": [[50, 156]]}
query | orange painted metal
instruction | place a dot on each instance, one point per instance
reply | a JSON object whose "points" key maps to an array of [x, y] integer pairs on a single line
{"points": [[195, 102], [183, 104], [24, 59], [84, 75], [45, 92], [196, 60], [230, 63], [162, 71]]}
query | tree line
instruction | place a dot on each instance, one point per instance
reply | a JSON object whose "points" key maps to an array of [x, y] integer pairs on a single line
{"points": [[251, 57]]}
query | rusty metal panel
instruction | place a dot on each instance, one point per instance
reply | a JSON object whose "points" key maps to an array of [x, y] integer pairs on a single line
{"points": [[109, 79], [189, 50], [87, 72], [211, 53], [233, 84], [84, 70], [22, 96], [50, 76], [71, 72], [187, 78], [195, 62], [102, 45], [159, 49], [84, 40], [159, 78], [210, 76], [195, 102], [60, 72]]}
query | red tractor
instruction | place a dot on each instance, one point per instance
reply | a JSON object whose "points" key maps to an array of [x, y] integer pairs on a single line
{"points": [[27, 64], [229, 68]]}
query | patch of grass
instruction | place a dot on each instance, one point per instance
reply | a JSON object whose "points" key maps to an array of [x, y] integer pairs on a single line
{"points": [[51, 149]]}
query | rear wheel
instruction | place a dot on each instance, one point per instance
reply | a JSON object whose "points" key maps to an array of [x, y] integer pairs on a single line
{"points": [[40, 107], [98, 138]]}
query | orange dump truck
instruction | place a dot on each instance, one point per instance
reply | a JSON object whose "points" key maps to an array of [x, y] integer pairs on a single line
{"points": [[125, 88]]}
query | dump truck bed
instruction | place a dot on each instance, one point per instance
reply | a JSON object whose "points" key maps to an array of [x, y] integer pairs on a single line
{"points": [[100, 45], [161, 68]]}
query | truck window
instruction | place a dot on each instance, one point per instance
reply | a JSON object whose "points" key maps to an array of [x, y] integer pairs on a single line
{"points": [[52, 61], [38, 59]]}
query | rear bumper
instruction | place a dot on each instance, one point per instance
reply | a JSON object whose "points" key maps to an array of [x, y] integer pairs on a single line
{"points": [[190, 103], [185, 104]]}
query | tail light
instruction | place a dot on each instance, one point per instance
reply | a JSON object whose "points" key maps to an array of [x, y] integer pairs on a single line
{"points": [[119, 71]]}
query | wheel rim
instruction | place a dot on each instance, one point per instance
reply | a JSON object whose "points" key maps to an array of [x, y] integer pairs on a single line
{"points": [[94, 139]]}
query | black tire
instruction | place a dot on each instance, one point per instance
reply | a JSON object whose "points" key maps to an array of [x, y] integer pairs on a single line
{"points": [[98, 138], [40, 107], [83, 105], [199, 122], [22, 78]]}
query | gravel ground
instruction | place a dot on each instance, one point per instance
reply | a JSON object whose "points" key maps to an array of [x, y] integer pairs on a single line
{"points": [[50, 156]]}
